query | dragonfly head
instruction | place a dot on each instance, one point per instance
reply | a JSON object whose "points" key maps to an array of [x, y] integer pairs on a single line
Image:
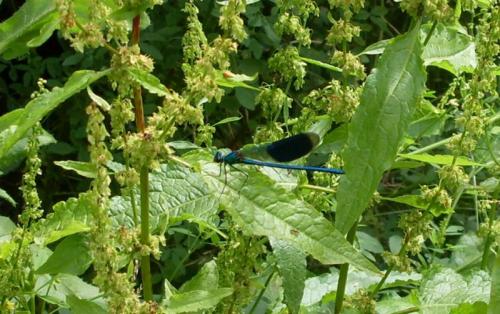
{"points": [[218, 157]]}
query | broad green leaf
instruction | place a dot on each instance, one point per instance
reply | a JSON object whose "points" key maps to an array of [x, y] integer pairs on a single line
{"points": [[30, 26], [196, 300], [395, 304], [471, 308], [449, 49], [174, 191], [262, 208], [82, 306], [389, 98], [83, 168], [71, 256], [39, 107], [16, 154], [495, 285], [440, 159], [447, 289], [246, 97], [206, 279], [10, 118], [68, 217], [467, 251], [369, 243], [319, 286], [56, 289], [321, 64], [4, 195], [292, 268], [427, 120], [149, 82], [6, 227]]}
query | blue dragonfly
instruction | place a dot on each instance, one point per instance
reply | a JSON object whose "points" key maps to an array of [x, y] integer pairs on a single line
{"points": [[284, 150]]}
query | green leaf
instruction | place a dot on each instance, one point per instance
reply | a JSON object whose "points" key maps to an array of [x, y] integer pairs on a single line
{"points": [[83, 168], [467, 251], [149, 82], [264, 209], [495, 285], [376, 48], [446, 289], [71, 256], [196, 300], [175, 191], [68, 217], [227, 120], [427, 120], [292, 268], [6, 227], [30, 26], [449, 49], [246, 97], [56, 289], [440, 159], [4, 195], [101, 102], [332, 143], [39, 107], [321, 64], [206, 279], [388, 101], [319, 286], [396, 304], [16, 154], [235, 80], [468, 308], [82, 306], [410, 199]]}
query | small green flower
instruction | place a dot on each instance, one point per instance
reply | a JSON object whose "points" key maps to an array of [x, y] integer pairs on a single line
{"points": [[272, 100], [230, 20], [287, 62], [288, 24]]}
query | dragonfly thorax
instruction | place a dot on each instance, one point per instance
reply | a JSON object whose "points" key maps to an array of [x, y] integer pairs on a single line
{"points": [[218, 157]]}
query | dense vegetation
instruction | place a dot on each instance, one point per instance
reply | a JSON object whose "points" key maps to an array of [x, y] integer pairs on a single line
{"points": [[112, 111]]}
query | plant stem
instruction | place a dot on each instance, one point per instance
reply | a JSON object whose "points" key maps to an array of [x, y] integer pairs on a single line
{"points": [[145, 262], [489, 238], [402, 252], [261, 293], [433, 27], [144, 177], [344, 269]]}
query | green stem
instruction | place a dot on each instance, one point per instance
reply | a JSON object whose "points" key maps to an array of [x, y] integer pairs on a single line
{"points": [[261, 293], [408, 310], [489, 239], [316, 188], [344, 270], [433, 27], [145, 261], [430, 147], [388, 271]]}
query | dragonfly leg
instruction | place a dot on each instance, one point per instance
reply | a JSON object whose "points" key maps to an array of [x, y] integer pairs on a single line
{"points": [[246, 176]]}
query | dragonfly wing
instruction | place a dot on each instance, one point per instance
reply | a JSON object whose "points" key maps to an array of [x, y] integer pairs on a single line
{"points": [[293, 147]]}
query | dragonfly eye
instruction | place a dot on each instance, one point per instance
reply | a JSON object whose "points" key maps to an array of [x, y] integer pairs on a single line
{"points": [[218, 157]]}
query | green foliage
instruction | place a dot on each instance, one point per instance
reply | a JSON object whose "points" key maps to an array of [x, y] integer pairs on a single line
{"points": [[112, 202]]}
